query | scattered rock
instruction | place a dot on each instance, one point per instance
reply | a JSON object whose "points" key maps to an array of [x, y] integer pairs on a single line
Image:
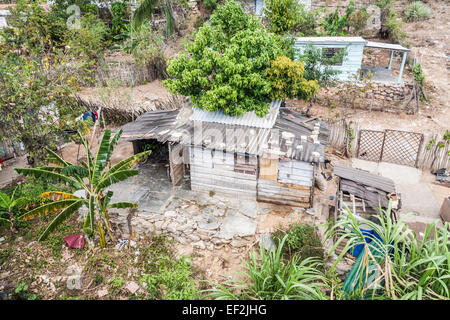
{"points": [[199, 245], [4, 275], [238, 243], [170, 214], [132, 287], [2, 239], [102, 293], [267, 242]]}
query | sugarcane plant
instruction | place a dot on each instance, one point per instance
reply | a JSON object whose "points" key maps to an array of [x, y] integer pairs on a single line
{"points": [[91, 176], [395, 263]]}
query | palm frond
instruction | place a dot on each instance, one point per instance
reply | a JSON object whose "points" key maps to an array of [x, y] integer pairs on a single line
{"points": [[61, 217], [115, 177], [38, 173], [143, 12], [123, 205], [57, 195], [48, 208]]}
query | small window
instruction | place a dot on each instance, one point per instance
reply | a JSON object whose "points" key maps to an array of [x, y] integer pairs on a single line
{"points": [[244, 164], [335, 56]]}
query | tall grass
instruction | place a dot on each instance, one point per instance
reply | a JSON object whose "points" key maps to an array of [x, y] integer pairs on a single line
{"points": [[398, 264], [268, 276]]}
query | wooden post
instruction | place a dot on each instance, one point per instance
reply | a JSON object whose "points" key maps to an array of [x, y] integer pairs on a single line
{"points": [[399, 80]]}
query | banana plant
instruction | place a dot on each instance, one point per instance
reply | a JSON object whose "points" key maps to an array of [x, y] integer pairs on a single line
{"points": [[91, 176], [10, 205]]}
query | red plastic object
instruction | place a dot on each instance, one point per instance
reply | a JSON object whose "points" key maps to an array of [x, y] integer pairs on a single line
{"points": [[75, 241]]}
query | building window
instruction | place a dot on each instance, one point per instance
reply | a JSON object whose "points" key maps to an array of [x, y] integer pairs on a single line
{"points": [[334, 56], [244, 164]]}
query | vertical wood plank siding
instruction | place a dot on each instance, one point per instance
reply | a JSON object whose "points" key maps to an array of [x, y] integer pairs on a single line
{"points": [[215, 171], [293, 186]]}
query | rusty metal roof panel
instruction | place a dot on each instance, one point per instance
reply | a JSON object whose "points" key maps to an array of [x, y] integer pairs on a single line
{"points": [[365, 178]]}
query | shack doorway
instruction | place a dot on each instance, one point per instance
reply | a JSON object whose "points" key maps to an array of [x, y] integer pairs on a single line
{"points": [[166, 158]]}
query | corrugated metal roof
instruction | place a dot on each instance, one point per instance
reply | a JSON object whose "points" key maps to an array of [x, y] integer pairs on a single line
{"points": [[330, 40], [151, 125], [249, 119], [365, 178], [389, 46]]}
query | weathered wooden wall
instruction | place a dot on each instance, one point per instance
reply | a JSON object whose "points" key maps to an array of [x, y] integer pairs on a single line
{"points": [[215, 171], [285, 182]]}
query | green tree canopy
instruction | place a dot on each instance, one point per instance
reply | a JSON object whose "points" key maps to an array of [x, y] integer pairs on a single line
{"points": [[225, 66]]}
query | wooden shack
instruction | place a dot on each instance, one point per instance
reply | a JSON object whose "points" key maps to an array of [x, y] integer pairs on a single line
{"points": [[363, 192], [269, 158]]}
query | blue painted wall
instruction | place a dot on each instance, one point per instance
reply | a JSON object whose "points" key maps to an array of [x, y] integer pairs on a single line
{"points": [[350, 65]]}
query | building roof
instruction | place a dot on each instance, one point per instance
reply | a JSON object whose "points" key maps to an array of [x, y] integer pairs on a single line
{"points": [[388, 46], [249, 119], [292, 135], [151, 125], [330, 40], [365, 178]]}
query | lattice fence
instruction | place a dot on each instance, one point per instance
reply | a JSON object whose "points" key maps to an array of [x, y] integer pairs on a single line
{"points": [[400, 147], [370, 145]]}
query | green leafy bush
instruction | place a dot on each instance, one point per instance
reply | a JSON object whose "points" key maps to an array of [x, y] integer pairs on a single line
{"points": [[118, 23], [144, 44], [336, 25], [172, 280], [224, 67], [417, 11], [210, 5], [301, 240], [282, 15]]}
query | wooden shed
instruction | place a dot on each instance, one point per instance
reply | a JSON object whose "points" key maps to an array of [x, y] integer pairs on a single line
{"points": [[364, 192], [269, 159]]}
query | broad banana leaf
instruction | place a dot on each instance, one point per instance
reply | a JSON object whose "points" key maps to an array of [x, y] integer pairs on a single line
{"points": [[5, 201], [48, 208], [113, 143], [123, 205], [75, 171], [57, 195], [101, 160], [115, 177], [61, 217], [36, 172], [128, 162], [56, 159]]}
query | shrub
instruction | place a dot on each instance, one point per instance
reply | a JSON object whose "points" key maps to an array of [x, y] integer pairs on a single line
{"points": [[307, 21], [282, 15], [172, 280], [417, 11], [210, 5], [286, 77], [145, 45], [301, 240], [118, 23]]}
